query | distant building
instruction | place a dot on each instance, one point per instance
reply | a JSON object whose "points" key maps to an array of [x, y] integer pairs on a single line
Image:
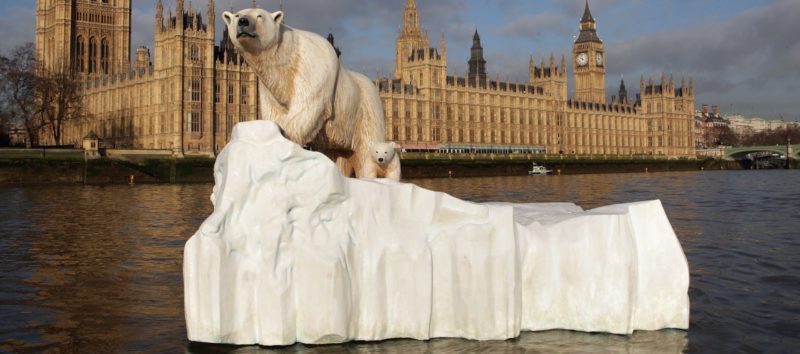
{"points": [[17, 137], [190, 94], [745, 126], [427, 108], [708, 126], [186, 99]]}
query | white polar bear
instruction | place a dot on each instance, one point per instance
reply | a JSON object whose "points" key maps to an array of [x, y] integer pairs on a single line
{"points": [[385, 161], [306, 91]]}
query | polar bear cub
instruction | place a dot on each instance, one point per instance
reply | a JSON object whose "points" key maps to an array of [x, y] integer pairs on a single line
{"points": [[386, 162]]}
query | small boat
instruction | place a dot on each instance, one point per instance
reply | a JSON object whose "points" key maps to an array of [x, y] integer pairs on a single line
{"points": [[539, 170]]}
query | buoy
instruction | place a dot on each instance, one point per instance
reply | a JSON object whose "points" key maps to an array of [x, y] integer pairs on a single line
{"points": [[132, 180]]}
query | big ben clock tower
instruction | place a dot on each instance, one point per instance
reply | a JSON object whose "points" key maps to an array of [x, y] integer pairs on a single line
{"points": [[588, 54]]}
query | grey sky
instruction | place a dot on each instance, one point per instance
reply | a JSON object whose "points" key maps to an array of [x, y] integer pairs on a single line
{"points": [[743, 54]]}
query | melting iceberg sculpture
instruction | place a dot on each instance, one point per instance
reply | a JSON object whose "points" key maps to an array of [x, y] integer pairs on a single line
{"points": [[294, 252]]}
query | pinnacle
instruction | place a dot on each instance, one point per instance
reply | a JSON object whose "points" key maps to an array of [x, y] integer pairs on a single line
{"points": [[587, 14]]}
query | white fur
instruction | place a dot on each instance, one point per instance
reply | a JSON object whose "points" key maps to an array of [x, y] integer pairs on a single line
{"points": [[305, 90], [385, 161]]}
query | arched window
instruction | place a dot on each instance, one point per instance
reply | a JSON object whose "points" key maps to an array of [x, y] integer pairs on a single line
{"points": [[194, 53], [104, 53], [92, 55], [80, 54]]}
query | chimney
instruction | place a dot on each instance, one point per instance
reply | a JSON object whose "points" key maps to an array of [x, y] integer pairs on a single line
{"points": [[705, 109]]}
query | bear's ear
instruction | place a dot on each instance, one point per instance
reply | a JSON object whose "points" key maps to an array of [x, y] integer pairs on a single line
{"points": [[226, 17], [278, 17], [393, 145]]}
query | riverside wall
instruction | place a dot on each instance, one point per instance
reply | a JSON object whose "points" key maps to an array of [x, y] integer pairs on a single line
{"points": [[63, 168]]}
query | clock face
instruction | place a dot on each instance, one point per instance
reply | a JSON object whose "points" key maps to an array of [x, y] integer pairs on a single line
{"points": [[599, 59], [582, 59]]}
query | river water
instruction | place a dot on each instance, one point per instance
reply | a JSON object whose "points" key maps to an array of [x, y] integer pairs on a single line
{"points": [[98, 269]]}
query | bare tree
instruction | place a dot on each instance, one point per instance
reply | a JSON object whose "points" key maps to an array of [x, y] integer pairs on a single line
{"points": [[18, 94], [60, 100]]}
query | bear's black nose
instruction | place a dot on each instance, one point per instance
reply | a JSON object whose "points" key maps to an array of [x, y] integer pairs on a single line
{"points": [[380, 159], [244, 22]]}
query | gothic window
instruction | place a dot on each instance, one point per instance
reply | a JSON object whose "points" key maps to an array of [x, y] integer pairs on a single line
{"points": [[81, 54], [216, 92], [419, 133], [435, 135], [395, 110], [229, 123], [194, 90], [436, 112], [230, 93], [395, 133], [408, 133], [193, 122], [104, 53], [244, 94], [194, 53], [92, 55]]}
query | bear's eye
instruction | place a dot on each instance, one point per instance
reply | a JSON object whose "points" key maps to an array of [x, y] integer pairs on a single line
{"points": [[260, 17]]}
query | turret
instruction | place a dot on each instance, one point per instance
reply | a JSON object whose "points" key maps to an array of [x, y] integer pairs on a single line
{"points": [[623, 93], [179, 15], [531, 68], [477, 64], [159, 23], [142, 59], [210, 18], [443, 46]]}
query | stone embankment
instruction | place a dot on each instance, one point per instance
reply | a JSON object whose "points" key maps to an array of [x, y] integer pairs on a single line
{"points": [[38, 166]]}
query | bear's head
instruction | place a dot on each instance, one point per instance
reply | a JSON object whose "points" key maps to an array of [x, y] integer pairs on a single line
{"points": [[382, 153], [253, 30]]}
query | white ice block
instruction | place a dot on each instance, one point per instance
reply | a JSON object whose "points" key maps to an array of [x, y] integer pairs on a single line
{"points": [[294, 252]]}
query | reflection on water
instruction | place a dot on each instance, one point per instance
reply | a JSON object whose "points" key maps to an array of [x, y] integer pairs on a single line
{"points": [[98, 269]]}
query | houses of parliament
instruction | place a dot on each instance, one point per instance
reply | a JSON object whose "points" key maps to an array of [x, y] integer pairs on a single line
{"points": [[190, 96]]}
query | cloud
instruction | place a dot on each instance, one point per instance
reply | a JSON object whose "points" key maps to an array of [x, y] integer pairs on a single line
{"points": [[757, 49], [17, 26], [537, 25]]}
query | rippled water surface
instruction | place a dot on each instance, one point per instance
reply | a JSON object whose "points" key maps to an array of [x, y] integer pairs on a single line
{"points": [[98, 269]]}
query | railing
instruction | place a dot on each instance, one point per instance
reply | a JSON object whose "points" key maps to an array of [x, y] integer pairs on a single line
{"points": [[41, 153], [524, 157]]}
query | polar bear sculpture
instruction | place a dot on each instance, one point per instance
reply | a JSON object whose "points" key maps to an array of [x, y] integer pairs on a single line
{"points": [[306, 91], [386, 162], [294, 252]]}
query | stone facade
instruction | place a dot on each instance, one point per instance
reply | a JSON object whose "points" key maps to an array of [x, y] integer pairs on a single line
{"points": [[428, 109], [187, 100]]}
